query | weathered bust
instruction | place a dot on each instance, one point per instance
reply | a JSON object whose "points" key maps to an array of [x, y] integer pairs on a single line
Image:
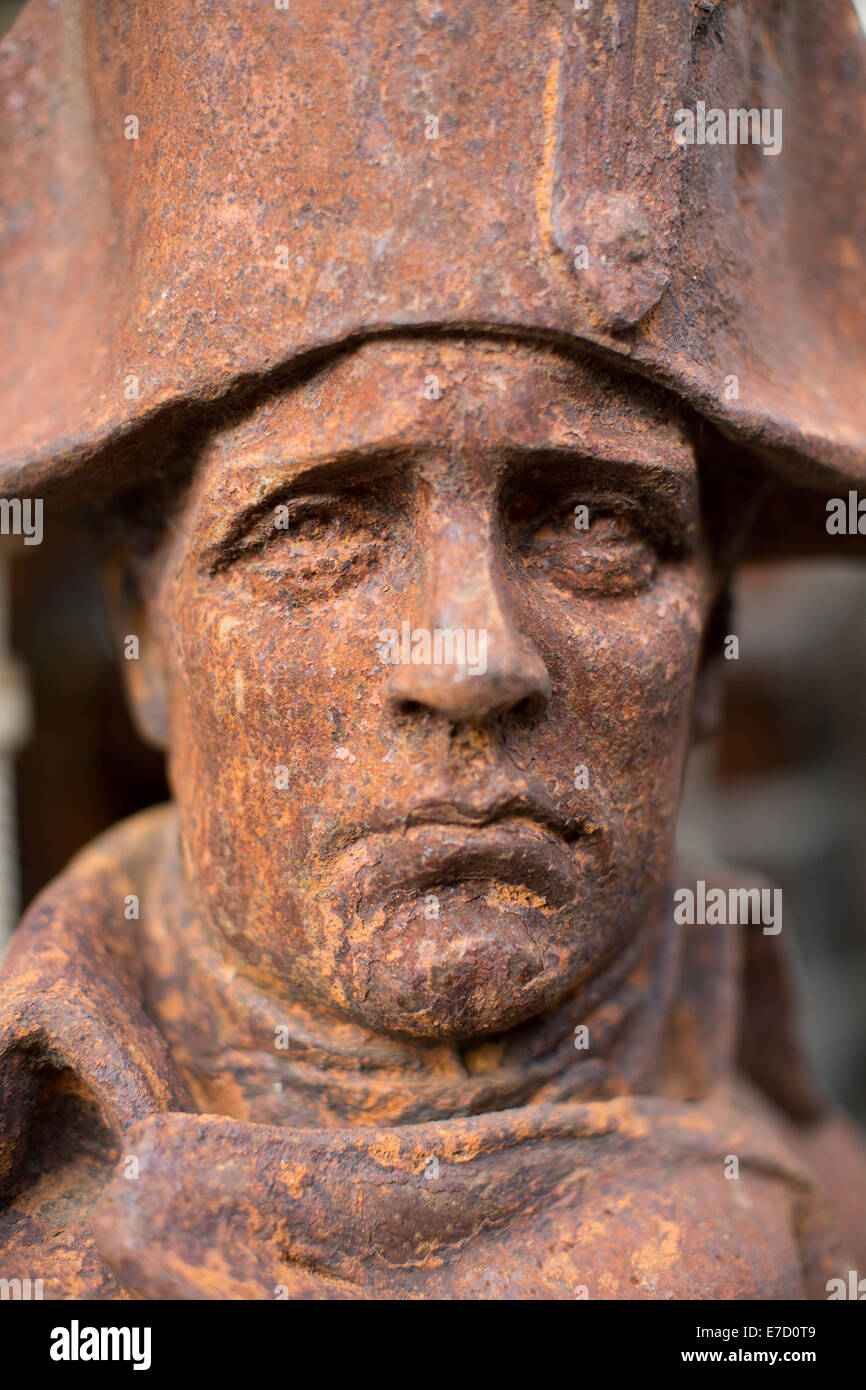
{"points": [[426, 391]]}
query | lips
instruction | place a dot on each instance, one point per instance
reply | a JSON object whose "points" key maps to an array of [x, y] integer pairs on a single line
{"points": [[461, 914], [431, 855], [501, 803], [450, 843], [514, 809]]}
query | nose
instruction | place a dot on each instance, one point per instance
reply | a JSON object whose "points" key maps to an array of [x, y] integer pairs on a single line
{"points": [[462, 653]]}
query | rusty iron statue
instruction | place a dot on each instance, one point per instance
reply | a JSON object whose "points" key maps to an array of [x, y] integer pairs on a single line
{"points": [[424, 384]]}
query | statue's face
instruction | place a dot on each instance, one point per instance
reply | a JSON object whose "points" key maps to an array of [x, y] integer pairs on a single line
{"points": [[368, 821]]}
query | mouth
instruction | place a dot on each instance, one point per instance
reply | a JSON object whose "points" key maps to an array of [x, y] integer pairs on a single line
{"points": [[458, 914], [517, 810], [518, 841]]}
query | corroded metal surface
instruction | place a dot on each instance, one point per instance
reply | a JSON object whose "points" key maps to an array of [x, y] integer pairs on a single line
{"points": [[422, 525], [260, 130]]}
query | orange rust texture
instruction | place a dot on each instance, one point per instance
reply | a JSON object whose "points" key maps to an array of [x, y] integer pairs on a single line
{"points": [[314, 1029]]}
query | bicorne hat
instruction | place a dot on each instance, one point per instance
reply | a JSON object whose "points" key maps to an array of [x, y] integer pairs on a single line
{"points": [[196, 195]]}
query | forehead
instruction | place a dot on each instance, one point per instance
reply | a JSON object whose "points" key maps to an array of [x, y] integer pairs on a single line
{"points": [[487, 393]]}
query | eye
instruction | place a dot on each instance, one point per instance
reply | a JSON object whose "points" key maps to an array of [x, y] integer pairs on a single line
{"points": [[307, 545], [598, 548]]}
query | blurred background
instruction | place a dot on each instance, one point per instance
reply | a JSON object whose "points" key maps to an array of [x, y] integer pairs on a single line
{"points": [[781, 789], [8, 11]]}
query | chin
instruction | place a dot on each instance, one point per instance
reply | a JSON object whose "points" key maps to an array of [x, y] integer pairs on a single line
{"points": [[489, 960]]}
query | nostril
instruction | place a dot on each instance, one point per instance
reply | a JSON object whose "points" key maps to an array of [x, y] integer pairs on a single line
{"points": [[409, 708], [529, 708], [511, 681]]}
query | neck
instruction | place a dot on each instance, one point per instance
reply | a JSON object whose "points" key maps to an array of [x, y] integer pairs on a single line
{"points": [[248, 1051]]}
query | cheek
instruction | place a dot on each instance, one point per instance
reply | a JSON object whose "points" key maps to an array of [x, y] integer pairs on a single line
{"points": [[275, 712], [653, 658], [625, 679]]}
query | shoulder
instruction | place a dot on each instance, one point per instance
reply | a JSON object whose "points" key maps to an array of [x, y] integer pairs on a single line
{"points": [[79, 1058]]}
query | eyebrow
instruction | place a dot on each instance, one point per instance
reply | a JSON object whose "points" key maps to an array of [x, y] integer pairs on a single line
{"points": [[305, 468], [371, 451], [667, 474], [676, 467]]}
